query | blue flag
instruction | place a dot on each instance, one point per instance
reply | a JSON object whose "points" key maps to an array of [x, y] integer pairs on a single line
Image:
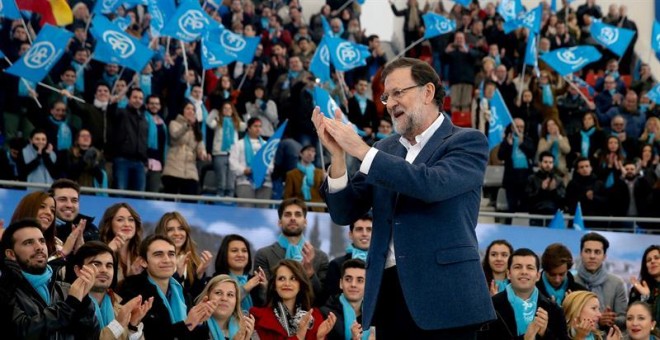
{"points": [[614, 38], [106, 6], [361, 2], [464, 3], [48, 48], [655, 37], [572, 59], [436, 24], [132, 3], [553, 6], [237, 46], [262, 159], [114, 46], [583, 84], [654, 94], [557, 221], [578, 220], [510, 9], [326, 26], [500, 118], [2, 55], [530, 51], [8, 9], [161, 11], [213, 54], [320, 65], [188, 22], [346, 55], [122, 22], [324, 101], [532, 19]]}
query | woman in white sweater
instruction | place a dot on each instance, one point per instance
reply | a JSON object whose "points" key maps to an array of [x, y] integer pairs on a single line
{"points": [[226, 125]]}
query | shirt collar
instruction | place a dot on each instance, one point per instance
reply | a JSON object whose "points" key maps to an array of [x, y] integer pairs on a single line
{"points": [[424, 137]]}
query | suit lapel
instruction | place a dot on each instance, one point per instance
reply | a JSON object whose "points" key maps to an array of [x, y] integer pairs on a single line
{"points": [[445, 130]]}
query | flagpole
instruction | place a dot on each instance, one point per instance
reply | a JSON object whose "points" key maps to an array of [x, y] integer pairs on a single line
{"points": [[55, 89], [27, 31], [417, 42], [577, 89], [522, 83], [203, 78], [26, 84], [185, 57], [346, 4], [89, 21], [240, 85], [114, 86]]}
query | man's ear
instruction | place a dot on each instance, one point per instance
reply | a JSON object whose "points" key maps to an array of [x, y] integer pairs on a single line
{"points": [[76, 269], [9, 253], [142, 262]]}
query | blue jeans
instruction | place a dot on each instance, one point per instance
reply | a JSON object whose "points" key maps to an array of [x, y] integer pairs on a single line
{"points": [[129, 174], [225, 177]]}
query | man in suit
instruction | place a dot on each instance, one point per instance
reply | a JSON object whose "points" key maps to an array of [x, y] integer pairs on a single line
{"points": [[424, 185]]}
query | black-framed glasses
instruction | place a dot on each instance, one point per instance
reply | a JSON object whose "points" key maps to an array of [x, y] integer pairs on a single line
{"points": [[397, 94]]}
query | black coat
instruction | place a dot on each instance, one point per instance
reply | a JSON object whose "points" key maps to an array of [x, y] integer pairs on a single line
{"points": [[505, 325], [334, 305]]}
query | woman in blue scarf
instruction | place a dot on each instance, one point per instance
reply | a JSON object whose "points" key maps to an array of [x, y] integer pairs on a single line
{"points": [[640, 324], [586, 141], [37, 161], [227, 321], [495, 265], [554, 140], [235, 259], [225, 123], [609, 161], [582, 312]]}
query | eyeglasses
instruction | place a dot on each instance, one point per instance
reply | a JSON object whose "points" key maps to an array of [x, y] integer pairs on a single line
{"points": [[396, 94]]}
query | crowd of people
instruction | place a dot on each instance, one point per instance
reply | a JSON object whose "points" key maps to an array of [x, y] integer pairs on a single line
{"points": [[65, 277]]}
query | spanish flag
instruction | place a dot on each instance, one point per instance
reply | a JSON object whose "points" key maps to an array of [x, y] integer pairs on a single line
{"points": [[54, 12]]}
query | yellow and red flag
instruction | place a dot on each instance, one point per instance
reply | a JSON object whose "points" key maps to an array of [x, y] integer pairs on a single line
{"points": [[54, 12]]}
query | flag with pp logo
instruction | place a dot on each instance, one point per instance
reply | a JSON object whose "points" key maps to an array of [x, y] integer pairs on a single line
{"points": [[500, 118], [106, 6], [654, 94], [237, 46], [213, 54], [572, 59], [264, 157], [346, 55], [530, 51], [48, 48], [436, 24], [161, 11], [615, 39], [655, 37], [8, 9], [557, 221], [510, 9], [530, 20], [326, 26], [188, 22], [320, 64], [122, 22], [114, 46]]}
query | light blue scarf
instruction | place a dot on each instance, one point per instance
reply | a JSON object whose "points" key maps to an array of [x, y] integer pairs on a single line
{"points": [[362, 102], [501, 284], [145, 84], [40, 282], [609, 181], [64, 135], [110, 80], [554, 149], [356, 253], [104, 313], [80, 76], [349, 318], [246, 299], [228, 133], [216, 330], [40, 174], [249, 153], [70, 88], [152, 131], [548, 99], [519, 158], [651, 138], [523, 310], [308, 179], [558, 294], [122, 103], [176, 304], [293, 251], [586, 140]]}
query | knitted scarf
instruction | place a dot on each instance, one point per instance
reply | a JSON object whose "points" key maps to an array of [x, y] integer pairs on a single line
{"points": [[594, 282], [216, 329], [308, 179], [249, 153], [558, 293], [40, 282], [524, 310], [290, 322], [293, 251], [356, 253]]}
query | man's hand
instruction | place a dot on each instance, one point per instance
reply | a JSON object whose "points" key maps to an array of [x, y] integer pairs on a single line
{"points": [[607, 317], [541, 321], [139, 311], [308, 254], [346, 136], [84, 283], [205, 257]]}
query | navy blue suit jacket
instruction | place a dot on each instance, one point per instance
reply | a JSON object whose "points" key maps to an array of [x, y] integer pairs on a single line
{"points": [[430, 208]]}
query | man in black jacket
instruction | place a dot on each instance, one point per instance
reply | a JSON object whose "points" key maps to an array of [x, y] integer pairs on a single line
{"points": [[67, 198], [585, 188], [130, 143], [545, 189], [174, 319], [522, 302], [556, 279], [35, 305], [348, 305]]}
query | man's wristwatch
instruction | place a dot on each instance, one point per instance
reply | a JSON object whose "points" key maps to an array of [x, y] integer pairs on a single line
{"points": [[137, 328]]}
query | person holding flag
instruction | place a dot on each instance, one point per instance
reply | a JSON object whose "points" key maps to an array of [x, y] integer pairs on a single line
{"points": [[412, 23], [241, 159]]}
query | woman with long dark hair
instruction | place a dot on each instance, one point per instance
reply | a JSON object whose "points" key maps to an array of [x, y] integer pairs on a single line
{"points": [[646, 288], [495, 265], [121, 230]]}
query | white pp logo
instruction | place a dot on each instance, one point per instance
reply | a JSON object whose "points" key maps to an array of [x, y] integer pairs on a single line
{"points": [[608, 35], [269, 152], [347, 54], [325, 55], [40, 55], [192, 22], [571, 59], [232, 42], [120, 43], [108, 5]]}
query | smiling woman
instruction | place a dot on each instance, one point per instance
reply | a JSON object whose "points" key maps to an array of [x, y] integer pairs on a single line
{"points": [[121, 230], [41, 206]]}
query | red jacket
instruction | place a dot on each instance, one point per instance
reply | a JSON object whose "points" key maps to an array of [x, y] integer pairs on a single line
{"points": [[269, 328]]}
